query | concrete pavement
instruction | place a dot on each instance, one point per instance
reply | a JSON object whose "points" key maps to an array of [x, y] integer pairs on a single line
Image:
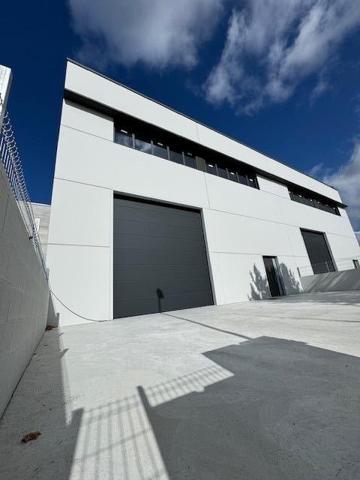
{"points": [[257, 390]]}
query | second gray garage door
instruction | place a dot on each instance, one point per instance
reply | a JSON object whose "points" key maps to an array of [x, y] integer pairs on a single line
{"points": [[160, 260]]}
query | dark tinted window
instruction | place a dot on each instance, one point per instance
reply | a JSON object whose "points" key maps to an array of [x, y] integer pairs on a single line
{"points": [[124, 138], [317, 204], [211, 168], [252, 182], [325, 207], [233, 175], [222, 172], [176, 156], [298, 197], [189, 160], [309, 201], [243, 179], [160, 150], [306, 199], [143, 144]]}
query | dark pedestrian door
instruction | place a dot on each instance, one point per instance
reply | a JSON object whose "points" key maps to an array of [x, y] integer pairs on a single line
{"points": [[273, 276], [160, 259]]}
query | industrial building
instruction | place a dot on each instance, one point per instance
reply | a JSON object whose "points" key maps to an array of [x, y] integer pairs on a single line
{"points": [[153, 211]]}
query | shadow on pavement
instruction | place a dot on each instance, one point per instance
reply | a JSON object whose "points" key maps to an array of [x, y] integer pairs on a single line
{"points": [[265, 409], [39, 404], [286, 411]]}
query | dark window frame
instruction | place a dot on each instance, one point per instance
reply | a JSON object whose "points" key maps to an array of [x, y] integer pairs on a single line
{"points": [[178, 153], [190, 158], [121, 132], [312, 200], [162, 147]]}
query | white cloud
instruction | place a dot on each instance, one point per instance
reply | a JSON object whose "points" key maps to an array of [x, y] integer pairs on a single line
{"points": [[317, 170], [320, 88], [157, 33], [347, 180], [272, 46]]}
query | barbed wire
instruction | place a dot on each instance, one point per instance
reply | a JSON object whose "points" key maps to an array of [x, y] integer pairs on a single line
{"points": [[11, 161]]}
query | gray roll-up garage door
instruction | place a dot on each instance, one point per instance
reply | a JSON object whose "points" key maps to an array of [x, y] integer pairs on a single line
{"points": [[160, 260], [318, 251]]}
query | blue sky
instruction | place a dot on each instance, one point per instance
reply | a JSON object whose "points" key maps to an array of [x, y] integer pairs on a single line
{"points": [[282, 76]]}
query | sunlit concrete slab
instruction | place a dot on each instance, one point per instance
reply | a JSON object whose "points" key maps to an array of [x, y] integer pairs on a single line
{"points": [[263, 390]]}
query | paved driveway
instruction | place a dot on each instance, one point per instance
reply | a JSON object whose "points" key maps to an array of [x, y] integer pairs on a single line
{"points": [[261, 390]]}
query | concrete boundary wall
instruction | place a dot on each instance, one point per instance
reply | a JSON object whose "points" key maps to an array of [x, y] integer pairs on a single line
{"points": [[332, 282], [24, 295]]}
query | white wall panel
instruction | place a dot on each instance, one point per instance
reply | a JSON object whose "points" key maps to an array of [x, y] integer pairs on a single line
{"points": [[344, 250], [239, 278], [80, 276], [275, 188], [311, 218], [79, 215], [238, 234], [228, 196], [289, 271], [86, 120]]}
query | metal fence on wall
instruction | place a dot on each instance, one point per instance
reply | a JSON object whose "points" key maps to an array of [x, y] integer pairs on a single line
{"points": [[11, 161], [342, 264]]}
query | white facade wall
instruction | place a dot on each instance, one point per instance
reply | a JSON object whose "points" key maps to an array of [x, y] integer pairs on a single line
{"points": [[241, 224]]}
